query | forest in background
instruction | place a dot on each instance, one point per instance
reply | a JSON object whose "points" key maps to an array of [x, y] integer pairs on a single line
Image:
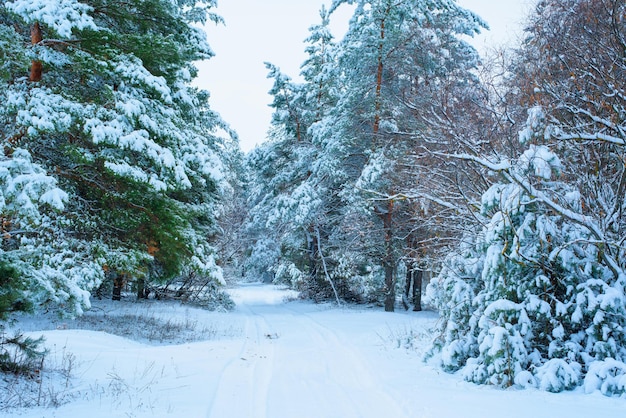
{"points": [[402, 155]]}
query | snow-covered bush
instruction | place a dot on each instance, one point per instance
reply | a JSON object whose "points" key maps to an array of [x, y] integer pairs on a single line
{"points": [[608, 376], [535, 298]]}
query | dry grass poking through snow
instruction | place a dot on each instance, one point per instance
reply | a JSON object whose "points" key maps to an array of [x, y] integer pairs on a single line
{"points": [[160, 323], [149, 322], [149, 328]]}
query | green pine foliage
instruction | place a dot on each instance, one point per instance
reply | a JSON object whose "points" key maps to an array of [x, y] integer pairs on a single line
{"points": [[12, 291], [127, 150], [21, 355], [18, 354]]}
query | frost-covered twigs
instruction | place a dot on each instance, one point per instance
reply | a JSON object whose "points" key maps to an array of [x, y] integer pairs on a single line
{"points": [[538, 298], [542, 161]]}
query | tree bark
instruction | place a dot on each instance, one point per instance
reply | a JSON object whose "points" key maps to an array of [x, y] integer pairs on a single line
{"points": [[414, 279], [407, 286], [142, 291], [387, 217], [311, 238], [118, 284], [36, 67], [388, 260], [417, 289]]}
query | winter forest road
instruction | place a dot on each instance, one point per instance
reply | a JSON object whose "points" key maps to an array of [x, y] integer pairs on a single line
{"points": [[269, 358], [301, 360], [294, 361]]}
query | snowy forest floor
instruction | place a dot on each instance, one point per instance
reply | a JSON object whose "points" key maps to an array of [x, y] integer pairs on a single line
{"points": [[273, 357]]}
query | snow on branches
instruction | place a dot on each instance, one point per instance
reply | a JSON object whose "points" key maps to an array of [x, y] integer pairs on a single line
{"points": [[126, 164], [60, 15], [536, 297]]}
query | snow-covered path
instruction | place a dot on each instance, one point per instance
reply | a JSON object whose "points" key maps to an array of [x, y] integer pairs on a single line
{"points": [[300, 360], [293, 365], [276, 359]]}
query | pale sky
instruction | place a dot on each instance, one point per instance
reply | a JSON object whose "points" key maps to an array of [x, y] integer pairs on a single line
{"points": [[274, 31]]}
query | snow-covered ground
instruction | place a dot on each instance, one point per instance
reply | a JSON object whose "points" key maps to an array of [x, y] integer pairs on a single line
{"points": [[273, 358]]}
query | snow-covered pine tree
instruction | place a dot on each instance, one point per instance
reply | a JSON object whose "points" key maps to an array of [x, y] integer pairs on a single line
{"points": [[390, 48], [290, 200], [110, 119], [536, 297], [280, 204]]}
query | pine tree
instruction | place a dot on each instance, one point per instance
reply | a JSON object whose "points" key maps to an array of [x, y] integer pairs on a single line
{"points": [[112, 122], [290, 201], [391, 50]]}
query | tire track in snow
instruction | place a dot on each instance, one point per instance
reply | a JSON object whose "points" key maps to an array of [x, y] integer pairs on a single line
{"points": [[243, 383], [331, 378], [305, 369]]}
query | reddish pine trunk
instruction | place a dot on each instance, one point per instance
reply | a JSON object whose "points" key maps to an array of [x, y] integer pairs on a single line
{"points": [[387, 217], [379, 78], [36, 68]]}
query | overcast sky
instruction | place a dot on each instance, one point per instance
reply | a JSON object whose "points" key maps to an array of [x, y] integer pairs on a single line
{"points": [[274, 31]]}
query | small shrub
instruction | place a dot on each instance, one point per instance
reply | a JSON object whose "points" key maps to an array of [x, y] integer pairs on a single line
{"points": [[20, 355], [45, 380]]}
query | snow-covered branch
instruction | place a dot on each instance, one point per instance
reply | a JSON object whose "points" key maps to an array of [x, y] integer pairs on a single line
{"points": [[590, 136]]}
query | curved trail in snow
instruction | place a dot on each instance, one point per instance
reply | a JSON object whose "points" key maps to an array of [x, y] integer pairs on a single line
{"points": [[291, 364], [276, 359]]}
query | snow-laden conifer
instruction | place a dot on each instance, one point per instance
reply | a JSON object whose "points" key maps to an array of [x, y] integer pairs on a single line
{"points": [[397, 60], [290, 200], [131, 147], [535, 298]]}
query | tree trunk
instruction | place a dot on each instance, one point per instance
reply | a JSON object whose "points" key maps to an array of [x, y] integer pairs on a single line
{"points": [[407, 286], [388, 260], [387, 217], [312, 252], [142, 292], [118, 284], [414, 279], [36, 67], [417, 289]]}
